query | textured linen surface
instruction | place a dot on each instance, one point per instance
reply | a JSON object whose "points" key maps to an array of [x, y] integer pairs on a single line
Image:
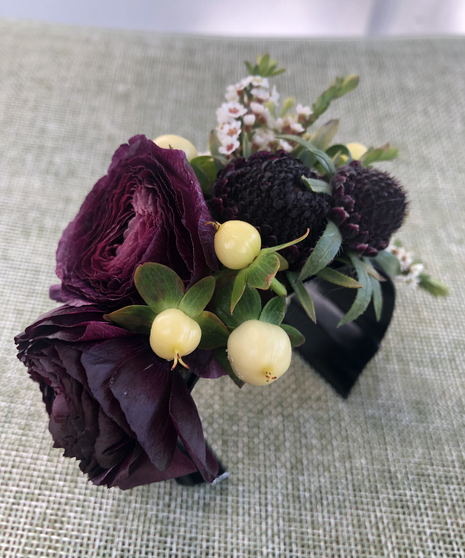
{"points": [[380, 474]]}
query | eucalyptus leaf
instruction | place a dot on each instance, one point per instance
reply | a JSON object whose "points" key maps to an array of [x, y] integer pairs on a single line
{"points": [[214, 332], [295, 336], [389, 263], [249, 306], [323, 137], [274, 311], [135, 318], [302, 294], [159, 286], [377, 297], [363, 298], [321, 156], [315, 185], [338, 278], [222, 357], [262, 270], [197, 297], [324, 252]]}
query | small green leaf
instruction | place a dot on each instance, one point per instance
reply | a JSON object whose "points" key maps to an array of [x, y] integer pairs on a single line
{"points": [[302, 294], [246, 149], [197, 297], [248, 307], [383, 153], [274, 249], [283, 263], [288, 103], [238, 289], [377, 297], [362, 300], [262, 270], [214, 145], [307, 158], [263, 65], [159, 286], [203, 179], [135, 318], [349, 84], [249, 67], [340, 86], [323, 137], [214, 332], [372, 271], [324, 252], [321, 156], [295, 336], [222, 357], [433, 286], [274, 311], [206, 169], [338, 278], [338, 149], [389, 263], [315, 185]]}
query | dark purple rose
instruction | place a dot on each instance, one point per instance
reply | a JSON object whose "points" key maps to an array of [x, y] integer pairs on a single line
{"points": [[113, 404], [148, 208]]}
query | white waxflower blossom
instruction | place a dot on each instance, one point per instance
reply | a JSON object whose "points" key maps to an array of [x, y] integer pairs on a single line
{"points": [[231, 94], [296, 127], [229, 146], [303, 111], [279, 124], [283, 144], [249, 119], [405, 258], [263, 138], [274, 96], [259, 81], [261, 94], [245, 82], [257, 108], [235, 110], [228, 131]]}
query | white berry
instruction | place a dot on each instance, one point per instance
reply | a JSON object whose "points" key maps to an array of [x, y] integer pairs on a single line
{"points": [[174, 335], [177, 142], [259, 352], [237, 244]]}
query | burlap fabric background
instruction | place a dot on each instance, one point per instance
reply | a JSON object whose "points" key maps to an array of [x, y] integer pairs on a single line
{"points": [[381, 474]]}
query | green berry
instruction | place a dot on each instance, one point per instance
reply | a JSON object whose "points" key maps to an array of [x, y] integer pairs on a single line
{"points": [[237, 244], [174, 335], [259, 352]]}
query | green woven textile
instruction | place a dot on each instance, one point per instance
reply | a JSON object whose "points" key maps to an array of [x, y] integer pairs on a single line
{"points": [[379, 475]]}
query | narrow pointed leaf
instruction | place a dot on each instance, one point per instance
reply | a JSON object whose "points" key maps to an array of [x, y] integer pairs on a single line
{"points": [[197, 297], [432, 285], [341, 149], [263, 65], [159, 286], [261, 272], [324, 252], [135, 318], [214, 145], [321, 156], [248, 308], [372, 271], [363, 298], [282, 246], [238, 289], [295, 336], [214, 332], [283, 263], [388, 262], [274, 311], [246, 150], [383, 153], [338, 278], [323, 137], [249, 67], [222, 357], [377, 297], [315, 185], [349, 84], [302, 294]]}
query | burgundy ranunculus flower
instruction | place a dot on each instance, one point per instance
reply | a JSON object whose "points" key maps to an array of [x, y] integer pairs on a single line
{"points": [[113, 404], [148, 208]]}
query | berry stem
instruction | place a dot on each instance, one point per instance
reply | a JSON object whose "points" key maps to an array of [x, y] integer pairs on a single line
{"points": [[278, 287]]}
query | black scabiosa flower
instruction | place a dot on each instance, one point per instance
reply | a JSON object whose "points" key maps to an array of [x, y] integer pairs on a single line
{"points": [[369, 206], [266, 191]]}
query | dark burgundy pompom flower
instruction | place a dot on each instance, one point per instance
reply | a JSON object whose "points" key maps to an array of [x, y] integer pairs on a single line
{"points": [[113, 404], [266, 190], [369, 206], [148, 208]]}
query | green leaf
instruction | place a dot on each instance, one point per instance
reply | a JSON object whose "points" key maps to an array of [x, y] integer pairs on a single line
{"points": [[246, 149], [433, 286], [214, 145], [238, 289], [388, 262], [362, 300], [383, 153], [263, 65], [377, 297], [326, 248], [203, 179], [338, 278], [274, 249], [274, 311], [262, 270], [206, 169], [307, 158], [340, 86], [349, 83], [248, 307], [335, 152], [321, 156], [222, 357], [372, 271], [288, 103], [283, 263], [197, 297], [295, 336], [159, 286], [136, 318], [302, 294], [249, 67], [315, 185], [214, 332], [323, 137]]}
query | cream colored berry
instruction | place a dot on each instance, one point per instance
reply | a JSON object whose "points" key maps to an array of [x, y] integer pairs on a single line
{"points": [[174, 335], [357, 150], [259, 353], [237, 244], [177, 142]]}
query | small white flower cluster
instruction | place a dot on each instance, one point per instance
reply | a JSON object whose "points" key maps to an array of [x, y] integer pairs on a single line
{"points": [[251, 109], [410, 270]]}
